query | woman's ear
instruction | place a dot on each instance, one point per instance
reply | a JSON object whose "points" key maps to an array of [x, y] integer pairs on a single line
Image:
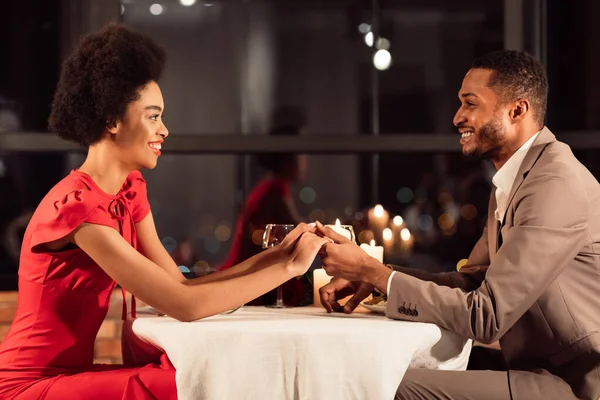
{"points": [[112, 127]]}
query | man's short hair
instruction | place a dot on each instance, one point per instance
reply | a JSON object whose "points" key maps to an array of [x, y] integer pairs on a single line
{"points": [[517, 75]]}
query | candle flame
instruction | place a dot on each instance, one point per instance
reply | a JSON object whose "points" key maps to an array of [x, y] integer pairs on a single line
{"points": [[372, 242], [398, 220], [378, 211], [387, 234], [337, 222], [405, 234]]}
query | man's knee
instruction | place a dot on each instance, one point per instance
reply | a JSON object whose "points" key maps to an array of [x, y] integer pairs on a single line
{"points": [[410, 388]]}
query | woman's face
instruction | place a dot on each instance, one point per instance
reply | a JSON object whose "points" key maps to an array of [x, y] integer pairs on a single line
{"points": [[139, 135]]}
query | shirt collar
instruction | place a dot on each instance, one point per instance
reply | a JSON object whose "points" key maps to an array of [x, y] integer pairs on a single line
{"points": [[506, 175]]}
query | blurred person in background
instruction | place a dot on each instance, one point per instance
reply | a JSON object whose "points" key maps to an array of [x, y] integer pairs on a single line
{"points": [[270, 202], [94, 230]]}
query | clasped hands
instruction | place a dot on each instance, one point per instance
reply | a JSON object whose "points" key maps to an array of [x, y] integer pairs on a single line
{"points": [[354, 272]]}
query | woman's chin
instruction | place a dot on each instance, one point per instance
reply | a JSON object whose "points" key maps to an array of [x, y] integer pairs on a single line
{"points": [[148, 164]]}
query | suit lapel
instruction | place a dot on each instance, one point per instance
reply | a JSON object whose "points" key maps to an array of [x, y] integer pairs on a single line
{"points": [[531, 157], [529, 161]]}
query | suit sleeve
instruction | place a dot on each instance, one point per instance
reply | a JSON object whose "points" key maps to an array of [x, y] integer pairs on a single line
{"points": [[468, 278], [550, 227]]}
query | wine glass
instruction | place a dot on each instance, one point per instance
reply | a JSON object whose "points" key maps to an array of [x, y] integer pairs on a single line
{"points": [[274, 235], [350, 229]]}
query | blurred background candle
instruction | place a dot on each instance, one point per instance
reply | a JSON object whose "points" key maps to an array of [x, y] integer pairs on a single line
{"points": [[378, 220], [396, 226], [388, 240], [407, 241]]}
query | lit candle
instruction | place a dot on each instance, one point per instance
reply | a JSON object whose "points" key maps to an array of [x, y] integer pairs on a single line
{"points": [[396, 226], [407, 240], [372, 250], [378, 220], [398, 221], [341, 229], [388, 239], [320, 279]]}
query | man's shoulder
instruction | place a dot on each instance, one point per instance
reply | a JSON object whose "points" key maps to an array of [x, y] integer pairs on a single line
{"points": [[558, 155], [557, 161]]}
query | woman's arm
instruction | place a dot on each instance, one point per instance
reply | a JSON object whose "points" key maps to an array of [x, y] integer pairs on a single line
{"points": [[159, 289], [251, 265], [153, 249]]}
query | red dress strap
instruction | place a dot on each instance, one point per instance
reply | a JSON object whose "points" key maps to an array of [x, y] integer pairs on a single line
{"points": [[133, 305]]}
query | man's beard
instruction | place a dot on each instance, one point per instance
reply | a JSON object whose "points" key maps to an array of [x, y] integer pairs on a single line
{"points": [[489, 140]]}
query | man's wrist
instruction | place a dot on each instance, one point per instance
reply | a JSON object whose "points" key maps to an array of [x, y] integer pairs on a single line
{"points": [[376, 274]]}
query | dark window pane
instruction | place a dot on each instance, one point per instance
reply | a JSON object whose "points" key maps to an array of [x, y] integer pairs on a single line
{"points": [[573, 63], [432, 44]]}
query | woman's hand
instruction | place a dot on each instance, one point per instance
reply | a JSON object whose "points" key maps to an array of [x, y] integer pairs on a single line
{"points": [[289, 242], [305, 250]]}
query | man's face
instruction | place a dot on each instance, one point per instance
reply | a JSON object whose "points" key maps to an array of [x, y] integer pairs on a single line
{"points": [[481, 120]]}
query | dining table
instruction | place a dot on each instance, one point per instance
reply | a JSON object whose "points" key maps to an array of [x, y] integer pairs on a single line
{"points": [[301, 353]]}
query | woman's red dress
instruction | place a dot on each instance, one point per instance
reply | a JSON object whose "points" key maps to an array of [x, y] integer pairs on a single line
{"points": [[64, 297]]}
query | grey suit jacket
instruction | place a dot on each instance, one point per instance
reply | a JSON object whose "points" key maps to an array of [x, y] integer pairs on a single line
{"points": [[539, 292]]}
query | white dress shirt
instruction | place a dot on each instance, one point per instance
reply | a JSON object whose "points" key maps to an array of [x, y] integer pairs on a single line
{"points": [[503, 181]]}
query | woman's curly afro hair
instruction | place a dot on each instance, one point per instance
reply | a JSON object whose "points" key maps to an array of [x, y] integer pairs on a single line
{"points": [[100, 79]]}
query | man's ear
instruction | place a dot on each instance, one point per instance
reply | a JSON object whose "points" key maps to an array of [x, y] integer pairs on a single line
{"points": [[520, 109]]}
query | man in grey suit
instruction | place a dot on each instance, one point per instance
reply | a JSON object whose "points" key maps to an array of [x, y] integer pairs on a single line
{"points": [[533, 279]]}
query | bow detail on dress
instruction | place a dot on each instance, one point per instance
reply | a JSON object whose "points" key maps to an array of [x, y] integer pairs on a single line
{"points": [[119, 206]]}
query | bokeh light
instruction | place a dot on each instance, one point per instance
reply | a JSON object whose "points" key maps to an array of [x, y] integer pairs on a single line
{"points": [[405, 195], [222, 233], [307, 195]]}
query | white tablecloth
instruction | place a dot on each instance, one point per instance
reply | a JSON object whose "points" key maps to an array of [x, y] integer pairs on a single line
{"points": [[299, 353]]}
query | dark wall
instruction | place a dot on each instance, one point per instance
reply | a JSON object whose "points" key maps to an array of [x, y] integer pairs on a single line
{"points": [[30, 49]]}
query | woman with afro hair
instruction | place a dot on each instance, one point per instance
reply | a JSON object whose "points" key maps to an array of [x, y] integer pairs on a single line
{"points": [[94, 230]]}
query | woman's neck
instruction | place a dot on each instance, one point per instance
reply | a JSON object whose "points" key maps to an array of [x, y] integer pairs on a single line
{"points": [[108, 172]]}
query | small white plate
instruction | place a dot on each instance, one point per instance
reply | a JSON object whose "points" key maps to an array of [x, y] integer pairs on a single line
{"points": [[374, 308]]}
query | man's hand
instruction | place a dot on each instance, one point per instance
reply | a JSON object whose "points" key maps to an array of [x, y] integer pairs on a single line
{"points": [[343, 258], [340, 288], [305, 251]]}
